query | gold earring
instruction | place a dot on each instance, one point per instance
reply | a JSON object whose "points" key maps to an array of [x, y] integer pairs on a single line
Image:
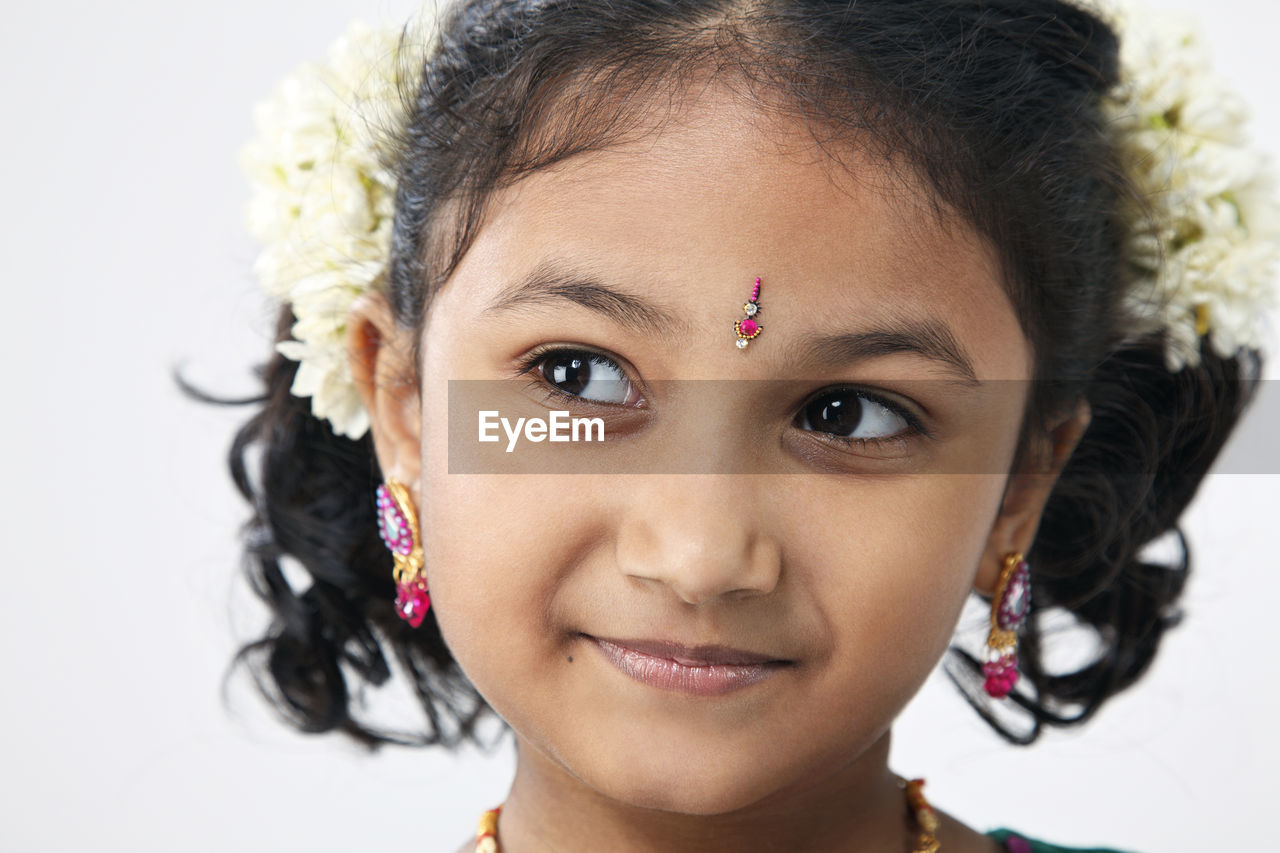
{"points": [[398, 527], [1009, 607]]}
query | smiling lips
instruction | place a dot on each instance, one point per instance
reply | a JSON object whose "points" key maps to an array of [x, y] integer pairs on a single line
{"points": [[699, 670]]}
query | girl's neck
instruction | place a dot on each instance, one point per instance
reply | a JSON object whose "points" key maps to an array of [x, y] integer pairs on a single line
{"points": [[860, 807]]}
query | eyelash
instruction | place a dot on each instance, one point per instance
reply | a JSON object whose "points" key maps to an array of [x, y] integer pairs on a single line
{"points": [[529, 366]]}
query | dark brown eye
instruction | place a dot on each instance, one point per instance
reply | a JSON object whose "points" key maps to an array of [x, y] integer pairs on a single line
{"points": [[588, 375], [850, 414]]}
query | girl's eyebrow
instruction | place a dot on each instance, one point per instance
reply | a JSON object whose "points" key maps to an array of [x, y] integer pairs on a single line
{"points": [[554, 280], [927, 337]]}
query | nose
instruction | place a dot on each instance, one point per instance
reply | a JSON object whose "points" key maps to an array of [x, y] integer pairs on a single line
{"points": [[701, 536]]}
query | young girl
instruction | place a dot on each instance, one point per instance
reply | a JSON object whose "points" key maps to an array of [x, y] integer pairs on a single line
{"points": [[977, 288]]}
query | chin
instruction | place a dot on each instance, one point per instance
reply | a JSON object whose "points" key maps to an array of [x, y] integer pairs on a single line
{"points": [[692, 782]]}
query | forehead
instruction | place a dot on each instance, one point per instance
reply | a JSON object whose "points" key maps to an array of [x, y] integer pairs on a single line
{"points": [[716, 190]]}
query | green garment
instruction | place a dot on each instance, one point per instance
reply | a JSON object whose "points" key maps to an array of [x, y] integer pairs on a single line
{"points": [[1002, 835]]}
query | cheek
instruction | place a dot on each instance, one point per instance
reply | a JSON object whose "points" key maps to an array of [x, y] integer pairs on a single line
{"points": [[501, 549], [490, 542], [891, 571]]}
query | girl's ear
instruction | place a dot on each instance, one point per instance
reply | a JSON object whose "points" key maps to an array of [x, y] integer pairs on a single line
{"points": [[382, 369], [1026, 494]]}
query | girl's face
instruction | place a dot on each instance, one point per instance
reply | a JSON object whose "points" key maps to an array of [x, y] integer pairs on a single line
{"points": [[845, 567]]}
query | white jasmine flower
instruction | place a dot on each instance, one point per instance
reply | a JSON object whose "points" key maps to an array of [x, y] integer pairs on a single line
{"points": [[324, 198], [1207, 256]]}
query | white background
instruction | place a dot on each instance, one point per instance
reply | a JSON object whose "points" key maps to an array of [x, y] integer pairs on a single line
{"points": [[125, 255]]}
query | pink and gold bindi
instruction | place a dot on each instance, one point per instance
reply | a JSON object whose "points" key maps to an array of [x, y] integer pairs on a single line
{"points": [[748, 327]]}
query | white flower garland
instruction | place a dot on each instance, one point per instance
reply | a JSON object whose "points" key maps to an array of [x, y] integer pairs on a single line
{"points": [[1214, 206], [323, 198]]}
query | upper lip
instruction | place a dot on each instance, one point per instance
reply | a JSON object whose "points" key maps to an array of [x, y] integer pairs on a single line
{"points": [[703, 655]]}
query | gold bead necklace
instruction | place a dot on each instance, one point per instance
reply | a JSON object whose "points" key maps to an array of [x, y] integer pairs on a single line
{"points": [[926, 820]]}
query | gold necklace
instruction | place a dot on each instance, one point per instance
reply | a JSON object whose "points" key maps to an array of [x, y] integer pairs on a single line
{"points": [[926, 819]]}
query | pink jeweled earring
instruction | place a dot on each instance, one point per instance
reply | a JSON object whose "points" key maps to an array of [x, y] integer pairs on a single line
{"points": [[398, 526], [747, 328], [1009, 609]]}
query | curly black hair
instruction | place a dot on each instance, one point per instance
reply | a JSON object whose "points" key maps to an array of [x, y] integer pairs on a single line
{"points": [[996, 104]]}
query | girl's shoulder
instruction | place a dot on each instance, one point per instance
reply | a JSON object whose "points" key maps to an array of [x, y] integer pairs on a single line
{"points": [[1016, 842]]}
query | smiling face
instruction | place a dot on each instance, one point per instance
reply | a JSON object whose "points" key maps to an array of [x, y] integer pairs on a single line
{"points": [[845, 568]]}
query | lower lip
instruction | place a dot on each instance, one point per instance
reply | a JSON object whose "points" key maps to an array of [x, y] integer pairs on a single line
{"points": [[667, 674]]}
